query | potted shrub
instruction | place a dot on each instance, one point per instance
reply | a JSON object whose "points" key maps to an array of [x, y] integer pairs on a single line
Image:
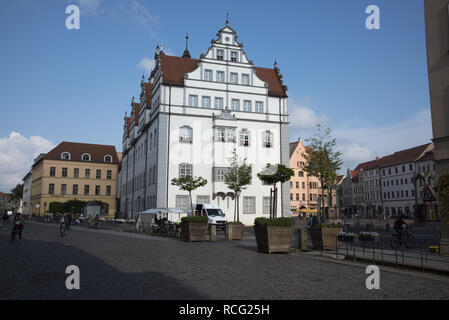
{"points": [[346, 236], [329, 233], [194, 228], [234, 230], [273, 235], [368, 236]]}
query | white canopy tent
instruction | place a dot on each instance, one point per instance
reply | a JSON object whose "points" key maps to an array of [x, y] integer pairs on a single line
{"points": [[147, 218]]}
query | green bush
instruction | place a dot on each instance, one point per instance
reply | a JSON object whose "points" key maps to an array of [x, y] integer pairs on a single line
{"points": [[276, 222], [235, 222], [320, 226], [196, 219]]}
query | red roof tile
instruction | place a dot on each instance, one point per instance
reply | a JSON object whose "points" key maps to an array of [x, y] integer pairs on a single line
{"points": [[404, 156], [274, 84], [136, 109]]}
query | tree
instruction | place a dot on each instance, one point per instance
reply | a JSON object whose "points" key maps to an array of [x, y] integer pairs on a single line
{"points": [[238, 177], [321, 161], [273, 174], [17, 194], [189, 183]]}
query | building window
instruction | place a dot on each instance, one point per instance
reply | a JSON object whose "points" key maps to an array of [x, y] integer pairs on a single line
{"points": [[220, 54], [303, 197], [65, 156], [208, 75], [259, 106], [108, 159], [63, 189], [268, 139], [202, 199], [182, 202], [249, 205], [98, 175], [109, 174], [300, 174], [218, 103], [234, 78], [85, 157], [108, 190], [303, 185], [97, 190], [193, 101], [230, 135], [205, 102], [244, 138], [52, 171], [86, 190], [245, 79], [297, 197], [76, 173], [219, 174], [185, 170], [185, 134], [234, 55], [51, 188], [220, 76], [266, 205], [64, 172], [87, 174], [235, 105], [247, 105]]}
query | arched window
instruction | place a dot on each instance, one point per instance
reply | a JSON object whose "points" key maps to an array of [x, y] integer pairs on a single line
{"points": [[108, 158], [65, 156], [85, 157], [301, 174], [185, 169]]}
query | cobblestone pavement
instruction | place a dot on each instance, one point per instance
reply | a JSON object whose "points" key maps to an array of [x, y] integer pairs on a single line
{"points": [[133, 266]]}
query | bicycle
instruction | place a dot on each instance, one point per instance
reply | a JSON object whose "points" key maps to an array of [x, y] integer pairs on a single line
{"points": [[408, 240], [62, 229]]}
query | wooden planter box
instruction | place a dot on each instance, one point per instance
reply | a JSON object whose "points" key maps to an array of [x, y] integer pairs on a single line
{"points": [[194, 231], [317, 239], [234, 231], [330, 238], [273, 239]]}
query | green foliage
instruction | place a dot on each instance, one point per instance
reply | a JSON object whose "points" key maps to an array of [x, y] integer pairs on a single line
{"points": [[323, 225], [56, 207], [443, 198], [189, 183], [282, 174], [239, 175], [17, 193], [195, 219], [276, 222], [235, 222]]}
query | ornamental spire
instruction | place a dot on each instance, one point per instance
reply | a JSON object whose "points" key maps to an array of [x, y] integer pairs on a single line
{"points": [[186, 51]]}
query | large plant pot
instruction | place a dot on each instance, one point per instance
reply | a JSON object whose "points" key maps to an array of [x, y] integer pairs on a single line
{"points": [[273, 239], [194, 231], [317, 239], [234, 231], [330, 238]]}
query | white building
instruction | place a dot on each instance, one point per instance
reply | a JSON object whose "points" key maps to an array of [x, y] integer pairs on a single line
{"points": [[26, 198], [192, 114]]}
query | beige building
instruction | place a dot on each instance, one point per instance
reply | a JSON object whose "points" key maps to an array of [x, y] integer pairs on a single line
{"points": [[304, 189], [75, 171]]}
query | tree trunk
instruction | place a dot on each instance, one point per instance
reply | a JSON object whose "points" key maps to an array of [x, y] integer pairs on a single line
{"points": [[238, 208], [191, 206], [235, 209]]}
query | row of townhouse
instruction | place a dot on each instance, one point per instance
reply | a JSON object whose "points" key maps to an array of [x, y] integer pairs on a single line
{"points": [[391, 185]]}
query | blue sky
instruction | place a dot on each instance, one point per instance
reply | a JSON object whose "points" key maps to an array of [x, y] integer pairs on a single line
{"points": [[369, 86]]}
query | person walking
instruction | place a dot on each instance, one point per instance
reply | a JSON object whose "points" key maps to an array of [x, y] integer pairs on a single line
{"points": [[5, 220]]}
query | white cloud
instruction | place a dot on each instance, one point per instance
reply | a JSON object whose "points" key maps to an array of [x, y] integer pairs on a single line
{"points": [[302, 116], [16, 157], [146, 64]]}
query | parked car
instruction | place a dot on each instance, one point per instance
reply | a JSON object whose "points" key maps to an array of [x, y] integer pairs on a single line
{"points": [[212, 212]]}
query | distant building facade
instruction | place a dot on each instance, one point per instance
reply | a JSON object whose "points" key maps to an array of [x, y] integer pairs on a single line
{"points": [[6, 202], [26, 197]]}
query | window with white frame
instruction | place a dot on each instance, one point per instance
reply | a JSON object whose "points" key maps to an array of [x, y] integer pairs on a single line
{"points": [[244, 137], [193, 100], [185, 134], [208, 75], [234, 78], [185, 170], [220, 76], [267, 139], [182, 202], [245, 79], [220, 135], [249, 205], [219, 174], [220, 54], [85, 157], [247, 105], [205, 102], [266, 205], [259, 106], [218, 103], [234, 56], [65, 156], [235, 105], [108, 158], [230, 135], [202, 199]]}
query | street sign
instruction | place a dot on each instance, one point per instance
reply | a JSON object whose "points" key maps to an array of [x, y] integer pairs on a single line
{"points": [[428, 195]]}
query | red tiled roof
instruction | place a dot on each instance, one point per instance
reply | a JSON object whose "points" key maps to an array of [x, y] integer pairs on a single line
{"points": [[148, 92], [136, 109], [128, 125], [339, 178], [404, 156], [274, 84], [76, 150]]}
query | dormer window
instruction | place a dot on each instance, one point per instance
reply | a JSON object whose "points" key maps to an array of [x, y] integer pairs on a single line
{"points": [[234, 56], [65, 156], [220, 54], [85, 157], [107, 158]]}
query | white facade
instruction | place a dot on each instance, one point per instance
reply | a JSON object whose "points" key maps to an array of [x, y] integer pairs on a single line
{"points": [[26, 198], [191, 128]]}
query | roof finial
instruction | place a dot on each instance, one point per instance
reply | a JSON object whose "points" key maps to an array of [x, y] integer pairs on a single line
{"points": [[186, 51], [227, 19]]}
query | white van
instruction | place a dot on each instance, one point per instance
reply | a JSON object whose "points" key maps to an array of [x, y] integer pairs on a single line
{"points": [[212, 212]]}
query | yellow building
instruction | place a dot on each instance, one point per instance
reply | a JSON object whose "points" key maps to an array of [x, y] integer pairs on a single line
{"points": [[75, 171]]}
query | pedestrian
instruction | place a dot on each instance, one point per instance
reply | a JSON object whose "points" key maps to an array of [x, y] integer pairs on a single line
{"points": [[5, 219], [17, 225]]}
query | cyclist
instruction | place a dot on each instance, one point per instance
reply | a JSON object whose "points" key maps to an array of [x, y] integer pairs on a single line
{"points": [[398, 226], [17, 225]]}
